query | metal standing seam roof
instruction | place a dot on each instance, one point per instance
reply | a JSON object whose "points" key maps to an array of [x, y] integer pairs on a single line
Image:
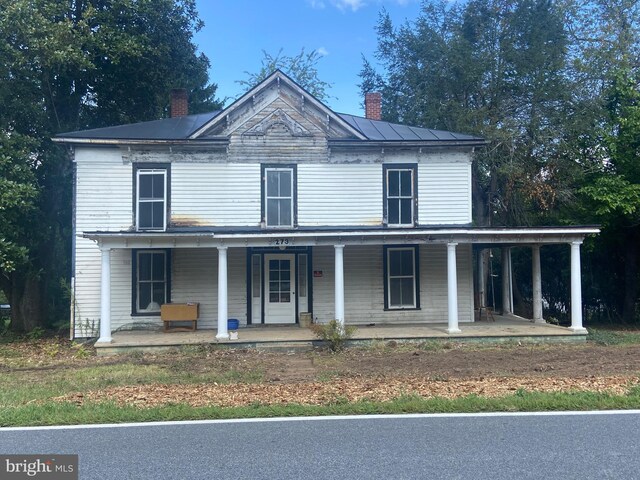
{"points": [[181, 128]]}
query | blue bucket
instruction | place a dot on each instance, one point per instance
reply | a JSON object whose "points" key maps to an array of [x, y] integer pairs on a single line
{"points": [[233, 324]]}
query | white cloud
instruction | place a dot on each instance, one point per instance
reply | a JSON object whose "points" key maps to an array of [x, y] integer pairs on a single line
{"points": [[353, 5], [317, 4], [323, 52]]}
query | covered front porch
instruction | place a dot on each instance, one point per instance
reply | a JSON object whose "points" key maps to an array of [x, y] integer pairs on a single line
{"points": [[502, 328], [449, 256]]}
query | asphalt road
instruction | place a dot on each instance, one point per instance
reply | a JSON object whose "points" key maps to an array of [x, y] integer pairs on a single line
{"points": [[558, 446]]}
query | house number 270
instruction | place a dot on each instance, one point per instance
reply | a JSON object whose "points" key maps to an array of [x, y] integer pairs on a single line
{"points": [[282, 241]]}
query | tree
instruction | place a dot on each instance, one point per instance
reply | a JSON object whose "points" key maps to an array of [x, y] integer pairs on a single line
{"points": [[489, 67], [303, 68], [67, 66]]}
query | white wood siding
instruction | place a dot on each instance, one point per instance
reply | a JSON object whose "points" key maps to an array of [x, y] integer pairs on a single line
{"points": [[444, 193], [215, 194], [330, 194], [103, 202], [364, 287]]}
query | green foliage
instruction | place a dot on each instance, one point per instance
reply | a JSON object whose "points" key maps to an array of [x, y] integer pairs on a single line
{"points": [[334, 334], [69, 66], [491, 68], [303, 68]]}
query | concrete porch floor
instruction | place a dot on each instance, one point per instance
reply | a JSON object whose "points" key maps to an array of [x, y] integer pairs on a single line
{"points": [[504, 328]]}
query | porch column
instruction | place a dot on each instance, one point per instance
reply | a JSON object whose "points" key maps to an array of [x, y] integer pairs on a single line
{"points": [[506, 281], [223, 334], [576, 290], [536, 274], [482, 286], [339, 283], [452, 289], [105, 296]]}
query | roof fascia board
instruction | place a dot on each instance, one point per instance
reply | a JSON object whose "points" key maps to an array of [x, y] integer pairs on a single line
{"points": [[117, 141], [278, 74]]}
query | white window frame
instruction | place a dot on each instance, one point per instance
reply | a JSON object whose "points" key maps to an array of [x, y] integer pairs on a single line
{"points": [[291, 171], [390, 277], [398, 198], [151, 171]]}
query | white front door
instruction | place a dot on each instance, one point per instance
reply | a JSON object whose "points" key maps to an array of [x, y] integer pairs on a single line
{"points": [[280, 295]]}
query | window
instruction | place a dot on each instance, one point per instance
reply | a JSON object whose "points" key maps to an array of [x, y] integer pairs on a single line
{"points": [[279, 281], [401, 277], [150, 280], [279, 196], [151, 198], [400, 195]]}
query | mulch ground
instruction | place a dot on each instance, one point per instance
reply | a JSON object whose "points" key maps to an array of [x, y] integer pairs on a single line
{"points": [[382, 372], [344, 389]]}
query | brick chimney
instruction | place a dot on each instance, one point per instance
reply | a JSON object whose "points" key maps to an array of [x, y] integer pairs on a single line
{"points": [[179, 102], [373, 106]]}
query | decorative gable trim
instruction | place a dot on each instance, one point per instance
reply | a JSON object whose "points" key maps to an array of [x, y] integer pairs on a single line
{"points": [[278, 77], [278, 118]]}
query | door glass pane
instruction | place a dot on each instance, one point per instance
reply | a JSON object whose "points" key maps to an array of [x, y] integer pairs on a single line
{"points": [[255, 276], [274, 297], [285, 297], [302, 275]]}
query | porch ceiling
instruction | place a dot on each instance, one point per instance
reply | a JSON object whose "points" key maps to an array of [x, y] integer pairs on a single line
{"points": [[228, 237]]}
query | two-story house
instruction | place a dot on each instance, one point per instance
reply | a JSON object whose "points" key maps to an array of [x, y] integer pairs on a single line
{"points": [[278, 205]]}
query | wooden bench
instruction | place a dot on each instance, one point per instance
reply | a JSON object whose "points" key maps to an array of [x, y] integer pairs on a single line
{"points": [[171, 313]]}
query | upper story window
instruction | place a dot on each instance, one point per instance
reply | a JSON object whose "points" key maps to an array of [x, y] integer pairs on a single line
{"points": [[279, 195], [400, 195], [151, 198]]}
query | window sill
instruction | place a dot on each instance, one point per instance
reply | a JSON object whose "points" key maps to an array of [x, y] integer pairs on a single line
{"points": [[400, 309]]}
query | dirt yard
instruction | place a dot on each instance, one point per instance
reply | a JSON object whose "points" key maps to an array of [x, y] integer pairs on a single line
{"points": [[210, 376]]}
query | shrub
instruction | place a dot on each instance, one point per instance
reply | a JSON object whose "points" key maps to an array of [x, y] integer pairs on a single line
{"points": [[333, 334]]}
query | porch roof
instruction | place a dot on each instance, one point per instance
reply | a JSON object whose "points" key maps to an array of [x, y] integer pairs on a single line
{"points": [[195, 237]]}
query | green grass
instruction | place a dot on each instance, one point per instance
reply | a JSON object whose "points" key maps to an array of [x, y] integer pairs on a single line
{"points": [[601, 336], [53, 413]]}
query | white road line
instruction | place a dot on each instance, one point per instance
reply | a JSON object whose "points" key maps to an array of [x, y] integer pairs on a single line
{"points": [[325, 418]]}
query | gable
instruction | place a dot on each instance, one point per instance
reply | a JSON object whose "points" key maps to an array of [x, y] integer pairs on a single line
{"points": [[278, 103]]}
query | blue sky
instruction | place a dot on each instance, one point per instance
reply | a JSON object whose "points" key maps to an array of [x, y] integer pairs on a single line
{"points": [[236, 32]]}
